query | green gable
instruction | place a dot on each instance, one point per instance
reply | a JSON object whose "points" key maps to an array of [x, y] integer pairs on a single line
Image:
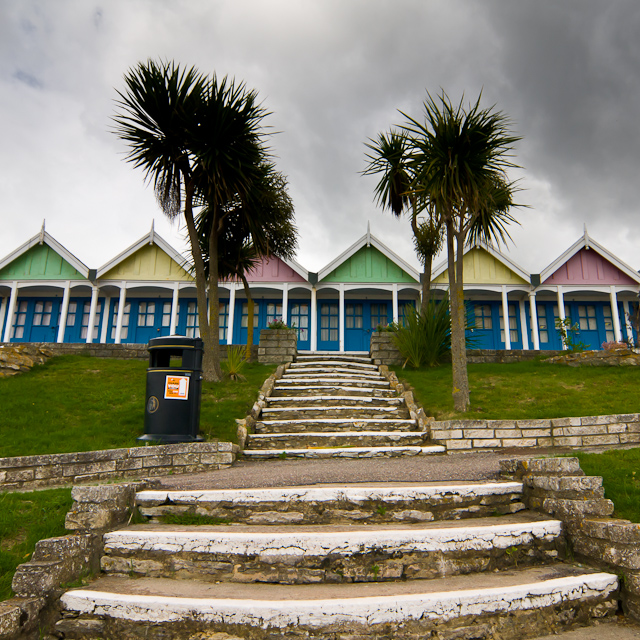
{"points": [[40, 263], [368, 264]]}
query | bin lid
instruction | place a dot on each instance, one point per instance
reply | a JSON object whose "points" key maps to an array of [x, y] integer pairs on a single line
{"points": [[168, 342]]}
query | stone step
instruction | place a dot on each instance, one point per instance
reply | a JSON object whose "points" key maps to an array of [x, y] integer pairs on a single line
{"points": [[336, 426], [374, 504], [341, 376], [301, 554], [512, 605], [331, 357], [343, 452], [304, 365], [327, 439], [351, 414], [311, 391], [343, 382], [333, 401]]}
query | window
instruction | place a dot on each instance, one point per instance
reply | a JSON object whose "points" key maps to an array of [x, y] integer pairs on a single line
{"points": [[274, 312], [71, 314], [86, 310], [402, 313], [244, 323], [223, 320], [483, 316], [513, 324], [543, 326], [353, 316], [21, 319], [608, 323], [193, 321], [379, 315], [124, 333], [42, 314], [146, 314], [166, 314], [300, 320], [329, 322], [587, 317]]}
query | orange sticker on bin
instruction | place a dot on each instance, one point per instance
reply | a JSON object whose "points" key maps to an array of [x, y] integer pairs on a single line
{"points": [[176, 388]]}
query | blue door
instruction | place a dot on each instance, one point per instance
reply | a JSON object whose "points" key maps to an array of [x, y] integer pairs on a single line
{"points": [[329, 336], [299, 320], [148, 319], [356, 333], [36, 320], [485, 321], [515, 333], [77, 324], [241, 322]]}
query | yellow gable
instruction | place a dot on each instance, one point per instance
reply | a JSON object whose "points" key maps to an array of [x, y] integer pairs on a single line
{"points": [[480, 267], [148, 263]]}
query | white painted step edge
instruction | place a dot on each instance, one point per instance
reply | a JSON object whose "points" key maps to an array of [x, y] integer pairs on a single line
{"points": [[332, 386], [389, 400], [328, 494], [291, 547], [353, 407], [390, 421], [363, 611], [338, 452], [332, 363], [337, 434]]}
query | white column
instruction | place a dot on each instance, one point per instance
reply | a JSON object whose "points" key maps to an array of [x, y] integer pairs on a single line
{"points": [[92, 313], [505, 318], [106, 316], [561, 308], [64, 311], [285, 302], [3, 308], [232, 308], [341, 316], [523, 326], [12, 307], [174, 309], [534, 320], [314, 319], [614, 314], [394, 297], [627, 321], [121, 302]]}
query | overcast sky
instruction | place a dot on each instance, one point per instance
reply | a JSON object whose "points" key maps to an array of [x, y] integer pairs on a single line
{"points": [[333, 73]]}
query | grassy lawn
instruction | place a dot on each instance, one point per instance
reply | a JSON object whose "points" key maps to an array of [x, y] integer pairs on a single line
{"points": [[78, 403], [524, 390], [620, 471], [26, 518]]}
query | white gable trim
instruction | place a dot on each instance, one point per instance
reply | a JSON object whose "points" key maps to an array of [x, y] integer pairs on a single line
{"points": [[586, 242], [43, 237], [368, 240], [151, 238], [500, 257]]}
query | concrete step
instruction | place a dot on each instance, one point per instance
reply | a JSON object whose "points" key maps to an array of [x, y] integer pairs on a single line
{"points": [[324, 425], [335, 374], [341, 381], [511, 605], [330, 504], [312, 390], [350, 364], [301, 554], [332, 357], [343, 452], [325, 439], [346, 412], [333, 401]]}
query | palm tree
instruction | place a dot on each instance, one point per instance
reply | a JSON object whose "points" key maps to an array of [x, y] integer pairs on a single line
{"points": [[198, 141], [460, 157], [397, 190]]}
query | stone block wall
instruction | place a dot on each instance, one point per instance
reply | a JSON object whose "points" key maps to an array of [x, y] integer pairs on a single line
{"points": [[383, 349], [277, 346], [16, 358], [559, 488], [32, 472], [492, 435]]}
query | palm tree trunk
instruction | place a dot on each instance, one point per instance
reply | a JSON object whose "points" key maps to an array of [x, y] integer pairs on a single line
{"points": [[201, 284], [250, 310], [426, 284], [458, 343], [211, 361]]}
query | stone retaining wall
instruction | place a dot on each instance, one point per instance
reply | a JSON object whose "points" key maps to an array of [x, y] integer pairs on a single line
{"points": [[491, 435], [33, 472], [277, 346], [16, 358], [559, 488], [383, 349]]}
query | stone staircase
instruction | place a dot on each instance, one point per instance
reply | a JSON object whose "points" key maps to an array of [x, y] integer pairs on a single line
{"points": [[336, 405], [461, 561]]}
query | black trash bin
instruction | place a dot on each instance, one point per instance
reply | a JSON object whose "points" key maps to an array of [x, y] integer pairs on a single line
{"points": [[174, 390]]}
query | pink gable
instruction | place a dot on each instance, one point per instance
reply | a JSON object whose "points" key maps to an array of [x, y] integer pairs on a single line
{"points": [[273, 270], [588, 267]]}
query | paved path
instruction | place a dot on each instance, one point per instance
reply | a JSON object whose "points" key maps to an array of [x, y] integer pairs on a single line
{"points": [[279, 473]]}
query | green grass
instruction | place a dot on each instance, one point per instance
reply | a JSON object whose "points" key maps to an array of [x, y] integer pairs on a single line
{"points": [[528, 390], [620, 471], [79, 403], [26, 518]]}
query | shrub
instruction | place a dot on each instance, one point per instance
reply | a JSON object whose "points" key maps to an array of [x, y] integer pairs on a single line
{"points": [[278, 323], [234, 364]]}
